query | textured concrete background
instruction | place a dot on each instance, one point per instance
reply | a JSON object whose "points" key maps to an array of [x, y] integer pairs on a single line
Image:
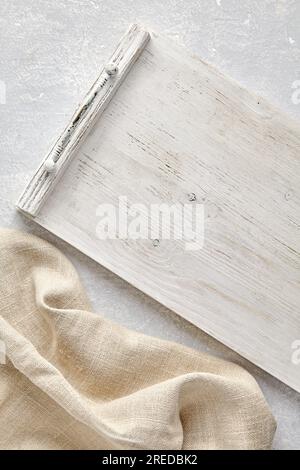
{"points": [[51, 51]]}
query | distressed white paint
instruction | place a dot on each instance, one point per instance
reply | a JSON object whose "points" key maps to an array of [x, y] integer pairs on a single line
{"points": [[97, 99], [47, 77], [177, 126]]}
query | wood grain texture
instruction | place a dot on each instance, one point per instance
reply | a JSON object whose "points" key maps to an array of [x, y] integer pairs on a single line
{"points": [[178, 126], [98, 97]]}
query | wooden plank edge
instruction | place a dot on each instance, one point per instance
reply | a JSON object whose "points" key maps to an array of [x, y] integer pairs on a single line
{"points": [[56, 161], [137, 282]]}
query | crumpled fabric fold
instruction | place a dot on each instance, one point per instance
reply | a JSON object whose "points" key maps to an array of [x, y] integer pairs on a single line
{"points": [[72, 379]]}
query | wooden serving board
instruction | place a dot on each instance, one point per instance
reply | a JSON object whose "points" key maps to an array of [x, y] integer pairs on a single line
{"points": [[165, 126]]}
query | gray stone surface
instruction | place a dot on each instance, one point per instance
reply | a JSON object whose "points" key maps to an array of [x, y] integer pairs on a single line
{"points": [[51, 51]]}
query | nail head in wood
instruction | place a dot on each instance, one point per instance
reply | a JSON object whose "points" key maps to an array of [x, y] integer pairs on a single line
{"points": [[50, 166], [192, 197], [111, 69]]}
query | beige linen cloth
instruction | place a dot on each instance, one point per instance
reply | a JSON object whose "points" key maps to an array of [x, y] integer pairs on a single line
{"points": [[75, 380]]}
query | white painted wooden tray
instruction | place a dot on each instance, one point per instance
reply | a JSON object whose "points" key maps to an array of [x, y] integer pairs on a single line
{"points": [[171, 127]]}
